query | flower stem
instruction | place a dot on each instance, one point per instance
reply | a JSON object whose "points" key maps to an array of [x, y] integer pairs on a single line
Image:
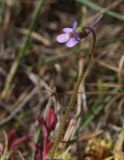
{"points": [[21, 54], [74, 95]]}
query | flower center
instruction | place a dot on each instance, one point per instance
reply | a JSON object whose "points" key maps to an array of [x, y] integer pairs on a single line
{"points": [[71, 35]]}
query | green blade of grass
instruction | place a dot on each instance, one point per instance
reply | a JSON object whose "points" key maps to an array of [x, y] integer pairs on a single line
{"points": [[90, 116], [15, 66], [97, 7]]}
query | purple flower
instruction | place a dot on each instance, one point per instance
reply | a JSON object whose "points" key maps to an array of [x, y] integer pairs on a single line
{"points": [[73, 35], [70, 36]]}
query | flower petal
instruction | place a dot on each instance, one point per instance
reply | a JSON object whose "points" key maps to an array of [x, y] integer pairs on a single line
{"points": [[74, 26], [96, 22], [72, 42], [62, 38], [67, 30]]}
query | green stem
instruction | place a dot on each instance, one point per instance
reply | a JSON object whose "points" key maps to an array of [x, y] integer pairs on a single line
{"points": [[21, 54], [73, 97]]}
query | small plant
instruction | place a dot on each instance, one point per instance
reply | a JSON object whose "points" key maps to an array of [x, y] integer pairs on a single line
{"points": [[72, 36], [11, 146], [48, 126]]}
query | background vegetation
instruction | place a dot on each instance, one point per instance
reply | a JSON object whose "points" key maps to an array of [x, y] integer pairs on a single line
{"points": [[44, 73]]}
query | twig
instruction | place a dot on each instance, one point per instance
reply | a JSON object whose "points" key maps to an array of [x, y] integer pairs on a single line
{"points": [[120, 69], [19, 108], [34, 35]]}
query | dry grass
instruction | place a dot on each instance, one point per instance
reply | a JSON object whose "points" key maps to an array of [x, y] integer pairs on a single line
{"points": [[48, 71]]}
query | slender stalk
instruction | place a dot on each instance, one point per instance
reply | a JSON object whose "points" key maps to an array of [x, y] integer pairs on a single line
{"points": [[21, 54], [73, 97], [6, 152]]}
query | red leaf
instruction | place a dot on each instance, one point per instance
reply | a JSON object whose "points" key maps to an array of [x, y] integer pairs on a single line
{"points": [[11, 135], [19, 141], [45, 128], [51, 119], [47, 148]]}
